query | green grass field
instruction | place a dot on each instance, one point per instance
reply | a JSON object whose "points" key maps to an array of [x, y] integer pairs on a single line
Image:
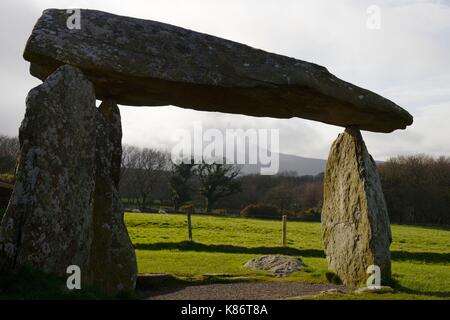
{"points": [[420, 255]]}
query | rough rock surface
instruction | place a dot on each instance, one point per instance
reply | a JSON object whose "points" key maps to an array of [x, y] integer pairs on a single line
{"points": [[48, 223], [65, 208], [142, 62], [113, 262], [5, 194], [355, 222], [280, 266]]}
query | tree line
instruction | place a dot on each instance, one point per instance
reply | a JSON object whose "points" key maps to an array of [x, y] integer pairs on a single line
{"points": [[9, 151], [148, 175], [416, 188]]}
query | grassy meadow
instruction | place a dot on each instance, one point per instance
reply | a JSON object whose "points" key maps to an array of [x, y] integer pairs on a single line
{"points": [[420, 255]]}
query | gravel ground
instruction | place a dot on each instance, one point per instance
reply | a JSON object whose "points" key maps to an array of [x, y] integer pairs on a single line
{"points": [[241, 291]]}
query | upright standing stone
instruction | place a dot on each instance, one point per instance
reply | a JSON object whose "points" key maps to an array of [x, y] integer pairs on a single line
{"points": [[355, 221], [48, 223], [113, 262]]}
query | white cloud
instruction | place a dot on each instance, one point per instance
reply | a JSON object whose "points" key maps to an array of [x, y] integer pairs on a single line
{"points": [[406, 60], [429, 134]]}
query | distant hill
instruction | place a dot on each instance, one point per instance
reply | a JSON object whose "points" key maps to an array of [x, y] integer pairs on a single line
{"points": [[301, 165]]}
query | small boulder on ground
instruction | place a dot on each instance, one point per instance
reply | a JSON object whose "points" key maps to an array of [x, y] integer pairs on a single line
{"points": [[280, 266]]}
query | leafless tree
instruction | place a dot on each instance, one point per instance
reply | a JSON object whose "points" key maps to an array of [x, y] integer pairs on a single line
{"points": [[281, 196], [9, 152], [416, 189], [128, 158], [142, 168]]}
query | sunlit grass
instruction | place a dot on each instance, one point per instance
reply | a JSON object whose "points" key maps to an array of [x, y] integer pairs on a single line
{"points": [[421, 257]]}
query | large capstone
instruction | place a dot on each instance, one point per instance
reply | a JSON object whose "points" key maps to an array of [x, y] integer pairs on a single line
{"points": [[113, 262], [48, 223], [355, 222], [148, 63]]}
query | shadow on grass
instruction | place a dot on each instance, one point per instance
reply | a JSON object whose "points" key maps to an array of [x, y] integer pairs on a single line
{"points": [[428, 257], [194, 246], [427, 226]]}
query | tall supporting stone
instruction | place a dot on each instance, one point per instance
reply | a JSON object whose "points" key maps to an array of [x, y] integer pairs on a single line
{"points": [[48, 222], [355, 222], [113, 262], [65, 208]]}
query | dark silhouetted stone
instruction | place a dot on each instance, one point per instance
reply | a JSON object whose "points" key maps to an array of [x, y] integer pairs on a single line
{"points": [[48, 223], [113, 261]]}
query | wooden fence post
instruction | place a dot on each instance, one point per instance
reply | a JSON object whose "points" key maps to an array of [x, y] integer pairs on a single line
{"points": [[189, 211], [283, 239]]}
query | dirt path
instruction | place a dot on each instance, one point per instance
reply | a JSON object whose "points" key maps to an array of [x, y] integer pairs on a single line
{"points": [[240, 291]]}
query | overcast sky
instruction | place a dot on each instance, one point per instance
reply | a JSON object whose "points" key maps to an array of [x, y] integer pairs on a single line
{"points": [[407, 60]]}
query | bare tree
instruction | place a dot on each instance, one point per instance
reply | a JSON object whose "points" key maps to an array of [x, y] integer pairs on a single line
{"points": [[147, 166], [417, 189], [9, 152], [282, 197], [129, 153]]}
